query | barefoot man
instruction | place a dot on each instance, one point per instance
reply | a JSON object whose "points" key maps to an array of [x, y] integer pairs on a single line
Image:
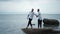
{"points": [[39, 18], [30, 17]]}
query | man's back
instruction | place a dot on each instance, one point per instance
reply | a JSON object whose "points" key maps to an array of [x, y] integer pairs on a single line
{"points": [[39, 16], [31, 14]]}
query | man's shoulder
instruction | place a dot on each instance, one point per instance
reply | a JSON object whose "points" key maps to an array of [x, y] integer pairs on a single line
{"points": [[39, 13], [30, 12]]}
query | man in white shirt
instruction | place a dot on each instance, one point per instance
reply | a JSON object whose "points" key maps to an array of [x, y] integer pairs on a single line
{"points": [[30, 17], [39, 18]]}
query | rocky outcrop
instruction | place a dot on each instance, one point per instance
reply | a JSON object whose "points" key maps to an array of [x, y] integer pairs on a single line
{"points": [[51, 22], [40, 31]]}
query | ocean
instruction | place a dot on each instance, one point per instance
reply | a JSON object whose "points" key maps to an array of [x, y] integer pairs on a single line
{"points": [[13, 23]]}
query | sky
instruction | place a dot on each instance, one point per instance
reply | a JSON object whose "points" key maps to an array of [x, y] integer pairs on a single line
{"points": [[25, 6]]}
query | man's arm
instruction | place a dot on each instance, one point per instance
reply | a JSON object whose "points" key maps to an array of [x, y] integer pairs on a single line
{"points": [[39, 14], [36, 15], [28, 16]]}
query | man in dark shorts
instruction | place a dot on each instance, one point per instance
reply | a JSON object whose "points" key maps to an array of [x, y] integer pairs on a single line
{"points": [[30, 17], [39, 18]]}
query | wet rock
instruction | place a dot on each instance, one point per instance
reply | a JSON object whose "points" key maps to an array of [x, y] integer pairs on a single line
{"points": [[51, 22], [39, 31]]}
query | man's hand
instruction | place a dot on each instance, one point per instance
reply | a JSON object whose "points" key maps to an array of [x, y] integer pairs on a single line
{"points": [[36, 16]]}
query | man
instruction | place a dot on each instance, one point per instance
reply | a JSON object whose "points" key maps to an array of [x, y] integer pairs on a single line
{"points": [[30, 17], [39, 18]]}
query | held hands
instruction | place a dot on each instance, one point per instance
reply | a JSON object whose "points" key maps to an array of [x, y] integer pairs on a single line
{"points": [[36, 16]]}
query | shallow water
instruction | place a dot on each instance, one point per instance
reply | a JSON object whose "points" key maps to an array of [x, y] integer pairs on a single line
{"points": [[13, 23]]}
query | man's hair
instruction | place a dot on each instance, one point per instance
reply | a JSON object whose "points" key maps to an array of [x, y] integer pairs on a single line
{"points": [[37, 9], [32, 9]]}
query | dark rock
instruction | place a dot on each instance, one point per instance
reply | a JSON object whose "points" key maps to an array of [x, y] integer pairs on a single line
{"points": [[51, 22], [39, 31]]}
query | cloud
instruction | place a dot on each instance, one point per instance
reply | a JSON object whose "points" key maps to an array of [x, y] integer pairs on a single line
{"points": [[46, 6]]}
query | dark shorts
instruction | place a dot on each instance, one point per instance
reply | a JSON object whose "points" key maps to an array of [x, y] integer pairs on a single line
{"points": [[30, 21], [39, 21]]}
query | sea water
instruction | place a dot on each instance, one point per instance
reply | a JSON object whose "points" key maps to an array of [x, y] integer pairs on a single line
{"points": [[13, 23]]}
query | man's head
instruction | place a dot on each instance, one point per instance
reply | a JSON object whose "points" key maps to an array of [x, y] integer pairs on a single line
{"points": [[38, 10], [32, 10]]}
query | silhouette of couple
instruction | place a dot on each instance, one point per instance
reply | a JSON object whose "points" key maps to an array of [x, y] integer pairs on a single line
{"points": [[30, 17]]}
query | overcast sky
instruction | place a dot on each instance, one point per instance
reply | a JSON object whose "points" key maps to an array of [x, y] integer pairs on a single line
{"points": [[24, 6]]}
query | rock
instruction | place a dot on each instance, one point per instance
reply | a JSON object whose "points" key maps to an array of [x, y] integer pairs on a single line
{"points": [[51, 22], [39, 31]]}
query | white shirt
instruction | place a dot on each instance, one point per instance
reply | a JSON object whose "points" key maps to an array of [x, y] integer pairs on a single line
{"points": [[39, 16], [30, 15]]}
